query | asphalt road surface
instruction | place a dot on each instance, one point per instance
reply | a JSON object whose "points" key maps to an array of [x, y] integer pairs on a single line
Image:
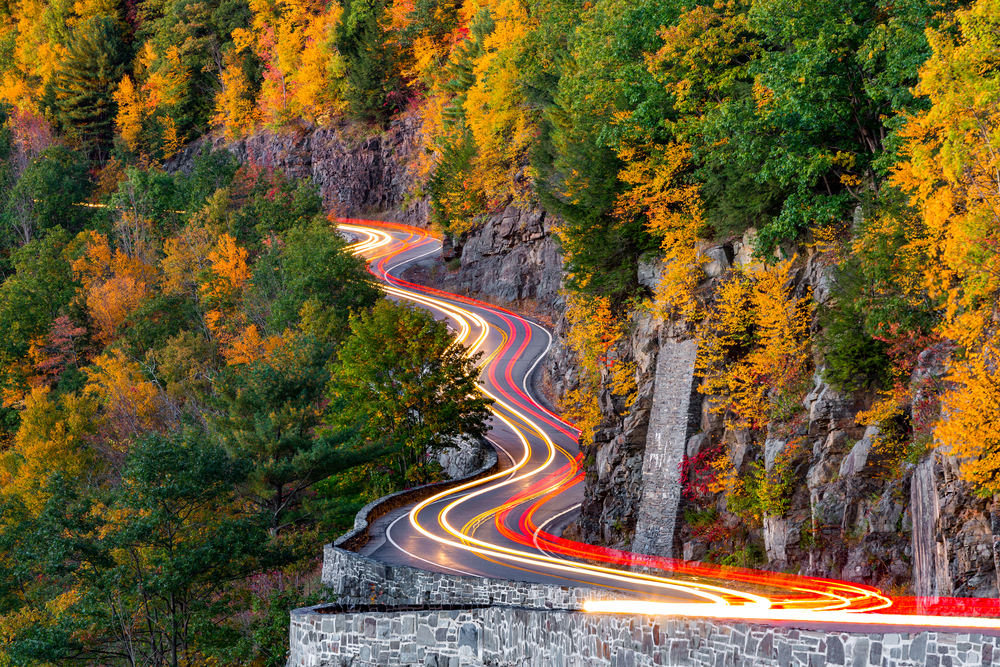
{"points": [[508, 525]]}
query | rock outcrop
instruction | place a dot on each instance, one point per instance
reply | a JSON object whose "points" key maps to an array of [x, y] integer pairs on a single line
{"points": [[509, 258], [954, 548], [915, 528], [359, 172], [613, 489]]}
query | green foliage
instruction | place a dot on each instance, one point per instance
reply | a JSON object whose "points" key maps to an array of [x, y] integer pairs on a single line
{"points": [[376, 88], [735, 199], [267, 643], [8, 41], [310, 266], [834, 76], [407, 384], [7, 176], [265, 202], [269, 412], [698, 518], [877, 302], [577, 159], [762, 493], [854, 360], [55, 183], [750, 555], [451, 201], [156, 321], [212, 171], [86, 80], [800, 211], [150, 194], [34, 296], [170, 529], [150, 560]]}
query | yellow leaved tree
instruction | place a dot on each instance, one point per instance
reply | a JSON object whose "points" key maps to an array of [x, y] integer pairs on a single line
{"points": [[52, 438], [249, 345], [497, 114], [235, 107], [303, 71], [132, 113], [674, 214], [951, 170], [162, 94], [131, 403], [593, 334], [186, 257], [755, 352]]}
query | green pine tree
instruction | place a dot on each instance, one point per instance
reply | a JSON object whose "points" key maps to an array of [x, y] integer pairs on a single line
{"points": [[82, 91], [376, 87]]}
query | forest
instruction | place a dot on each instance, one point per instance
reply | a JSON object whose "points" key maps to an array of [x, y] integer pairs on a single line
{"points": [[200, 328], [201, 386]]}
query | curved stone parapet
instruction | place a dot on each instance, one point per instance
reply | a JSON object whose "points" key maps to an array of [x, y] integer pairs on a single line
{"points": [[358, 536], [499, 635], [360, 581]]}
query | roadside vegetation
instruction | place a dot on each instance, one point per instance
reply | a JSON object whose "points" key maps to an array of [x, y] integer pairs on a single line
{"points": [[180, 353], [181, 429]]}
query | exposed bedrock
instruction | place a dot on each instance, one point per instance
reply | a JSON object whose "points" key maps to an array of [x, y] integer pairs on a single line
{"points": [[508, 257], [920, 530], [359, 172]]}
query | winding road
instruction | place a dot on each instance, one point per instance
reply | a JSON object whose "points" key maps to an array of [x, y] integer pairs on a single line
{"points": [[508, 525]]}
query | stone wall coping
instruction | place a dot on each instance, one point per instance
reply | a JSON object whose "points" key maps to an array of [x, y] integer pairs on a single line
{"points": [[819, 629], [358, 536]]}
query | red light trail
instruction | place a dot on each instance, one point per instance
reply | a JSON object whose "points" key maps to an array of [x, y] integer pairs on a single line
{"points": [[763, 596]]}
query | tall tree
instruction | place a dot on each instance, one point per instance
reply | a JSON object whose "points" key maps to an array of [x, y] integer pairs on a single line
{"points": [[271, 409], [376, 87], [952, 174], [30, 300], [311, 264], [407, 382], [49, 194], [184, 58], [605, 91], [87, 78]]}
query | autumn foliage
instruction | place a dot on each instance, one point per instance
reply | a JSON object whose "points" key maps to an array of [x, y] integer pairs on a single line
{"points": [[756, 353], [950, 173], [132, 351], [594, 337]]}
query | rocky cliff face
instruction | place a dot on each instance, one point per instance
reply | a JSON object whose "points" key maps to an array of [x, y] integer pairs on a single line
{"points": [[919, 529], [613, 489], [915, 528], [359, 172], [509, 257]]}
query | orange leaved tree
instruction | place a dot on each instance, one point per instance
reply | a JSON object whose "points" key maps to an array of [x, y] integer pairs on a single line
{"points": [[951, 171]]}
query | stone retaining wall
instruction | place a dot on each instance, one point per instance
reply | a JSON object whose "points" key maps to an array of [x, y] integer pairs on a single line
{"points": [[362, 581], [673, 419], [559, 638]]}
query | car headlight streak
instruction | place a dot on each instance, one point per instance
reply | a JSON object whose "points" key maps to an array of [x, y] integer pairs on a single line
{"points": [[802, 598]]}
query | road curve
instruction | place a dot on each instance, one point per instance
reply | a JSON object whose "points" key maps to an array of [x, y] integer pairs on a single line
{"points": [[507, 525]]}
